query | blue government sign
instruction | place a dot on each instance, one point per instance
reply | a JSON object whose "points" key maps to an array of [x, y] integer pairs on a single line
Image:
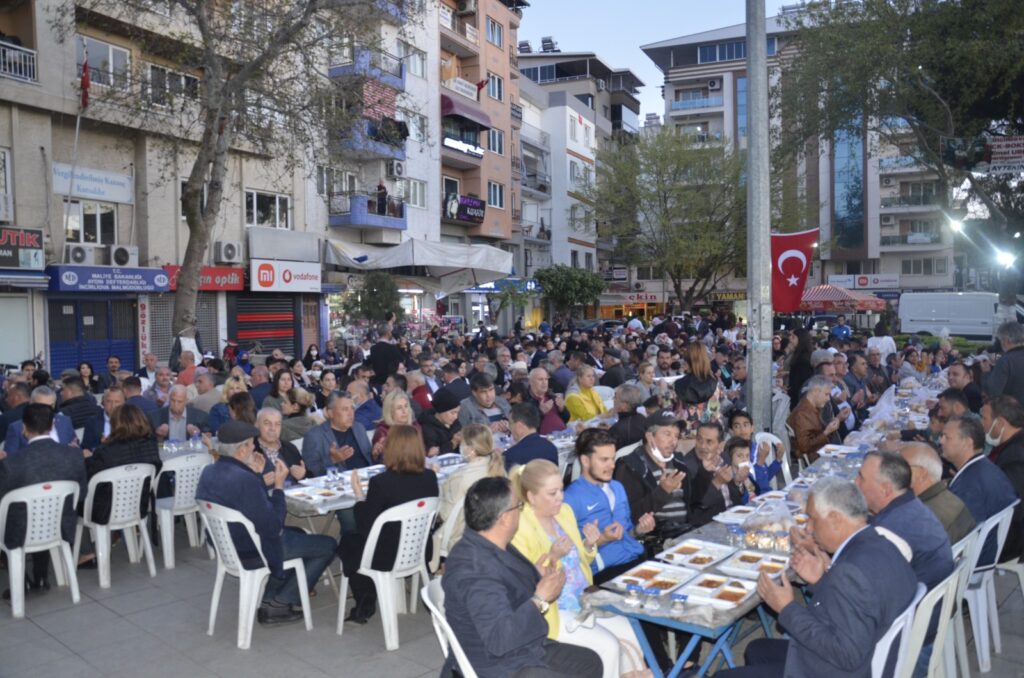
{"points": [[107, 279]]}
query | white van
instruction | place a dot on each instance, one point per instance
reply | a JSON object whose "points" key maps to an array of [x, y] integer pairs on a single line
{"points": [[961, 314]]}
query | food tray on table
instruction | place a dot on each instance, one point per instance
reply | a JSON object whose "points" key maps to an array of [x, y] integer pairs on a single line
{"points": [[734, 516], [719, 591], [838, 451], [653, 575], [750, 564], [774, 495], [802, 483], [313, 494], [696, 553]]}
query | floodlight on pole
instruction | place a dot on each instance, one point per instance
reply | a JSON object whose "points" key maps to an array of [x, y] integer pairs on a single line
{"points": [[1005, 259], [957, 226]]}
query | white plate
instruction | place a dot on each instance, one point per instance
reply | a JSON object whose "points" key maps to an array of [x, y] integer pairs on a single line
{"points": [[707, 553], [712, 595], [659, 571], [777, 495], [837, 450], [735, 516], [737, 565]]}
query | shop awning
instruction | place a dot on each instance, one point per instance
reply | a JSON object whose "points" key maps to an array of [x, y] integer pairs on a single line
{"points": [[449, 267], [831, 298], [37, 280], [452, 106]]}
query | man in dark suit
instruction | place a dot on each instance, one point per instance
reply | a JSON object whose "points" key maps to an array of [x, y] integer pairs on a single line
{"points": [[978, 482], [62, 431], [133, 395], [615, 373], [852, 605], [523, 422], [110, 376], [454, 383], [1005, 415], [42, 460], [384, 357], [495, 599], [76, 403], [178, 421], [98, 428], [16, 399], [148, 369]]}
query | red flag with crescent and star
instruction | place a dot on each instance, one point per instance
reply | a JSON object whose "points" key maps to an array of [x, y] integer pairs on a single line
{"points": [[791, 262]]}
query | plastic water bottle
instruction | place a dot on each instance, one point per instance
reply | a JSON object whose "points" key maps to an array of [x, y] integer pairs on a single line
{"points": [[195, 443]]}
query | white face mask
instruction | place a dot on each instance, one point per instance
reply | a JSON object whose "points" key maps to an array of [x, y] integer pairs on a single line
{"points": [[991, 439], [656, 453]]}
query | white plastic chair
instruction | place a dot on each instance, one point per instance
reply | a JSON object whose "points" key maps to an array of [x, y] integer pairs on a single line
{"points": [[980, 594], [943, 596], [448, 529], [433, 598], [900, 627], [186, 470], [772, 440], [44, 509], [127, 485], [416, 517], [963, 552], [298, 444], [627, 450], [607, 394], [80, 433], [217, 520]]}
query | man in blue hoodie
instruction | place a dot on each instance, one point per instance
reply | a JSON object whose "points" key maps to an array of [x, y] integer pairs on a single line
{"points": [[595, 496]]}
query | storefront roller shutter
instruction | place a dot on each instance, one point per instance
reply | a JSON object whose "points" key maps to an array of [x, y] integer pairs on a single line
{"points": [[162, 313], [267, 318]]}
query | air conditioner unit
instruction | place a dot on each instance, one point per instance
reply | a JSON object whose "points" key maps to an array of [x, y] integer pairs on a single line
{"points": [[887, 219], [601, 85], [887, 181], [714, 85], [83, 255], [124, 255], [227, 252], [396, 169], [639, 287], [466, 7]]}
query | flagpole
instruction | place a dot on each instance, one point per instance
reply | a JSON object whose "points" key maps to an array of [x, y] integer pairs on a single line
{"points": [[85, 82]]}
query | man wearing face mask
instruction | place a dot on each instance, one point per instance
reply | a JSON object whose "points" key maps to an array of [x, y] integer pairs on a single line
{"points": [[1003, 420], [653, 476]]}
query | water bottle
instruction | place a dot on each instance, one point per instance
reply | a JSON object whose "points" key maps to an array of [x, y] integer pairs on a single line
{"points": [[195, 443]]}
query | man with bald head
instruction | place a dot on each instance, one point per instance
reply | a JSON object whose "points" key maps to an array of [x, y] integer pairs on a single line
{"points": [[187, 373], [179, 420], [368, 412], [550, 406], [926, 483]]}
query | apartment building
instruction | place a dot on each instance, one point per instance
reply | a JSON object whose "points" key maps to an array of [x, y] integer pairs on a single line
{"points": [[881, 225]]}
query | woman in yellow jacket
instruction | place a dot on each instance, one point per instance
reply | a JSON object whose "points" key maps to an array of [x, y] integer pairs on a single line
{"points": [[584, 404], [547, 525]]}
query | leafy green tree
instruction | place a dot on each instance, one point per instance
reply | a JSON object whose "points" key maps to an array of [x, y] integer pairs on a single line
{"points": [[511, 296], [676, 203], [567, 287], [377, 297]]}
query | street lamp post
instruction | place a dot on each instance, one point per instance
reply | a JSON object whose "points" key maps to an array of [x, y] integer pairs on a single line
{"points": [[759, 278]]}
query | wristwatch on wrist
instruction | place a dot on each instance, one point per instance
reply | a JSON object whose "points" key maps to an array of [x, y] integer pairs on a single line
{"points": [[541, 604]]}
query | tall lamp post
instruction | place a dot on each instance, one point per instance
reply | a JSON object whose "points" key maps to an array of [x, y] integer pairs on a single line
{"points": [[759, 273]]}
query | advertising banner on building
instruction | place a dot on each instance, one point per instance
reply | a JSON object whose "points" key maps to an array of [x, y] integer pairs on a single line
{"points": [[107, 279], [284, 276], [464, 208], [21, 248], [213, 278], [93, 184]]}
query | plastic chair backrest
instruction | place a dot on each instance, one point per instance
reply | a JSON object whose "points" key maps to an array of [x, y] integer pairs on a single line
{"points": [[416, 517], [448, 529], [628, 449], [943, 596], [1000, 524], [79, 433], [218, 519], [433, 598], [298, 444], [187, 469], [900, 628], [127, 484], [44, 509]]}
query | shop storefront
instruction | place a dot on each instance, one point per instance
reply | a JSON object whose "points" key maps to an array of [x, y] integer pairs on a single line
{"points": [[619, 304], [271, 312], [22, 282], [93, 313]]}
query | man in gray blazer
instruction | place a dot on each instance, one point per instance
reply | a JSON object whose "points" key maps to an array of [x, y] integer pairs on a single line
{"points": [[852, 605], [178, 421], [483, 406], [340, 441]]}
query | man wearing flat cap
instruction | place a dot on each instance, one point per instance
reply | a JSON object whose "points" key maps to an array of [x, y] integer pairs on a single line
{"points": [[235, 481]]}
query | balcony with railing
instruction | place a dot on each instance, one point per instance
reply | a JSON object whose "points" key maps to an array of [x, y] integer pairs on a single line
{"points": [[369, 63], [535, 136], [536, 233], [513, 61], [900, 163], [517, 166], [929, 239], [458, 36], [697, 104], [536, 182], [382, 139], [361, 210], [909, 201], [516, 111], [18, 63]]}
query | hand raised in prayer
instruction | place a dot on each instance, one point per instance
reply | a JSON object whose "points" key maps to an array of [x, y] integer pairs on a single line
{"points": [[591, 535], [775, 595], [612, 533], [810, 564], [340, 455], [550, 585], [645, 524], [561, 547]]}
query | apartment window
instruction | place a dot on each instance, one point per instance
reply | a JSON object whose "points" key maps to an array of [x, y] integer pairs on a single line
{"points": [[574, 131], [331, 181], [741, 106], [649, 273], [108, 65], [6, 192], [92, 223], [588, 259], [926, 266], [267, 209], [575, 172], [495, 87], [450, 186], [496, 141], [496, 195], [167, 86], [416, 123], [574, 259], [586, 136], [416, 192], [730, 51], [923, 226], [181, 207], [415, 59], [495, 33]]}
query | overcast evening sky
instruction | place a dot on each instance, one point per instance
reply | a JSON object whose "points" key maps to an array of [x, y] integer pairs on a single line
{"points": [[615, 30]]}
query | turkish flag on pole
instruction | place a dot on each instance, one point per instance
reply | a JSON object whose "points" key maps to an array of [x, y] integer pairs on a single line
{"points": [[791, 261], [85, 81]]}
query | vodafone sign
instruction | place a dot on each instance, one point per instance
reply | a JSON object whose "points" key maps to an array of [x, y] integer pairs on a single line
{"points": [[284, 276], [876, 281]]}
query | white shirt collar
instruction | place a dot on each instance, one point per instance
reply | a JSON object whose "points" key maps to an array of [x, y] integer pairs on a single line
{"points": [[45, 436]]}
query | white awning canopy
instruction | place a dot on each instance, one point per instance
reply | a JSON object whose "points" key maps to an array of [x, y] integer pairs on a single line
{"points": [[450, 267]]}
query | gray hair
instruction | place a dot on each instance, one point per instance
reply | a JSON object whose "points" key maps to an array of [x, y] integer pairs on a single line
{"points": [[840, 496], [1011, 333], [205, 376], [269, 411], [925, 458], [817, 382], [176, 388], [893, 469], [630, 395], [43, 392], [337, 395], [556, 357]]}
